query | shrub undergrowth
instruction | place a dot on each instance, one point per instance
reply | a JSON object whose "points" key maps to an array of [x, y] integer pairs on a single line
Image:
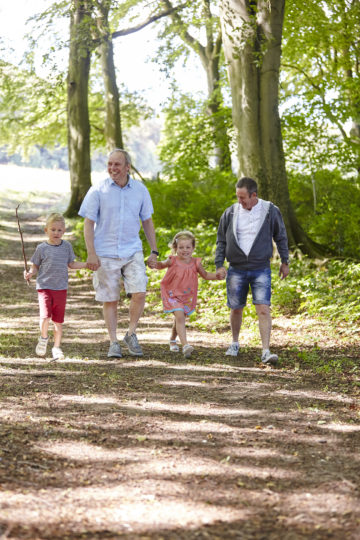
{"points": [[325, 289]]}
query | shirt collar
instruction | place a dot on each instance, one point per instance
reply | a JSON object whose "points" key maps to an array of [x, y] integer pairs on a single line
{"points": [[255, 209], [130, 183]]}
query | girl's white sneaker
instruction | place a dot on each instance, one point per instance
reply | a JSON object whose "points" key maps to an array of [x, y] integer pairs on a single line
{"points": [[174, 347]]}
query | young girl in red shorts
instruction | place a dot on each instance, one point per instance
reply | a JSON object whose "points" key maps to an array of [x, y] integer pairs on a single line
{"points": [[179, 286], [50, 264]]}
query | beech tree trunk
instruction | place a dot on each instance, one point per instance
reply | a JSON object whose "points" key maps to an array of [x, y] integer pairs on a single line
{"points": [[252, 33], [77, 106], [112, 128]]}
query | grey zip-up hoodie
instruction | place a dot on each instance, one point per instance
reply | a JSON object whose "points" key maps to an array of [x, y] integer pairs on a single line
{"points": [[271, 228]]}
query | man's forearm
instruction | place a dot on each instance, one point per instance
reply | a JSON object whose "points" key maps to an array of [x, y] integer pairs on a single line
{"points": [[150, 234], [89, 236]]}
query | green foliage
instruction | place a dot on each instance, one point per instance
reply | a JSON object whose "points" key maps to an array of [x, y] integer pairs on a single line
{"points": [[324, 289], [193, 199], [33, 110], [332, 218], [328, 289], [197, 191], [320, 83]]}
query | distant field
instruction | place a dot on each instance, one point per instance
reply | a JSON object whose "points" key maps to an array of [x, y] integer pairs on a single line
{"points": [[31, 179]]}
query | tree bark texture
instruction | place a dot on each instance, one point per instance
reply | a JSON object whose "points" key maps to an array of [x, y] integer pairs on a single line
{"points": [[252, 33], [112, 128], [77, 106]]}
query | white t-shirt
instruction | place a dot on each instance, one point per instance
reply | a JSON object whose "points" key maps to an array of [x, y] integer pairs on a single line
{"points": [[248, 225]]}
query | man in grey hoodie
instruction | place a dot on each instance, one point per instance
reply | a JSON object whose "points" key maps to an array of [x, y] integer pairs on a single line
{"points": [[245, 238]]}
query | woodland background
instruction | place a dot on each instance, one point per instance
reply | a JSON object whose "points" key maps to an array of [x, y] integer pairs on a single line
{"points": [[281, 103]]}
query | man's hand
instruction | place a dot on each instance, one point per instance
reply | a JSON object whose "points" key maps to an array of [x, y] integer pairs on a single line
{"points": [[93, 262], [152, 260], [221, 272], [284, 270]]}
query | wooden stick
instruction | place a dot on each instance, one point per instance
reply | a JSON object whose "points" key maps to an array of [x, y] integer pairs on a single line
{"points": [[22, 241]]}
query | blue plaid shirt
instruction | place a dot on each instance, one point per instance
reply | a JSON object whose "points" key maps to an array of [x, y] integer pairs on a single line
{"points": [[117, 213]]}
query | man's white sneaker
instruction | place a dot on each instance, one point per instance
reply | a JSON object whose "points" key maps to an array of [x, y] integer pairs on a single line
{"points": [[41, 346], [233, 350], [269, 358]]}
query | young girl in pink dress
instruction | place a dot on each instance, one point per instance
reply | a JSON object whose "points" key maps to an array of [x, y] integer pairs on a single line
{"points": [[179, 286]]}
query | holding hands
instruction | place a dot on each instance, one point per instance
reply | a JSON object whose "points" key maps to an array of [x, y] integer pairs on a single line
{"points": [[93, 262], [152, 261], [221, 273]]}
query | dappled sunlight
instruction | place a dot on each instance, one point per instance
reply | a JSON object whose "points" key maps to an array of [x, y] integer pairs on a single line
{"points": [[88, 400], [318, 502], [33, 372], [120, 507], [193, 409], [13, 263], [313, 394], [341, 428], [81, 451], [162, 446]]}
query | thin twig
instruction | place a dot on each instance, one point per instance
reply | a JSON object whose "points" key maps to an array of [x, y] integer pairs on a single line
{"points": [[22, 242]]}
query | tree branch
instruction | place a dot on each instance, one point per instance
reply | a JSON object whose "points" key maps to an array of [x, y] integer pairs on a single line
{"points": [[330, 116], [153, 18], [186, 36]]}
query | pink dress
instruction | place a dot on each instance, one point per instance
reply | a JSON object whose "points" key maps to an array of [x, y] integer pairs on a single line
{"points": [[179, 286]]}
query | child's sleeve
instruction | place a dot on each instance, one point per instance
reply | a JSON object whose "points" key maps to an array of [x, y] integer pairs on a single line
{"points": [[37, 256]]}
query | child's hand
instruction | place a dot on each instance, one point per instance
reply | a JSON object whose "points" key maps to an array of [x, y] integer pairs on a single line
{"points": [[152, 264], [89, 266], [221, 273], [27, 275]]}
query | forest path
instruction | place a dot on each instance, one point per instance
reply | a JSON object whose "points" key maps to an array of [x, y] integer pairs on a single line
{"points": [[159, 447]]}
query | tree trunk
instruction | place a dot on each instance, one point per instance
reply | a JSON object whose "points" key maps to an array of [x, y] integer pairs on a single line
{"points": [[77, 106], [211, 60], [252, 32], [112, 128]]}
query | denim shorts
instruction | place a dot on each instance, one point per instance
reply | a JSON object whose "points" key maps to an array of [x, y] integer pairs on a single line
{"points": [[239, 281], [107, 279]]}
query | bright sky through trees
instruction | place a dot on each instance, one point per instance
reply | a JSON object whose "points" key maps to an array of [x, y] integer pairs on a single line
{"points": [[132, 54]]}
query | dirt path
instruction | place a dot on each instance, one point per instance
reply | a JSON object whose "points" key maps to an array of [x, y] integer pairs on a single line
{"points": [[160, 448]]}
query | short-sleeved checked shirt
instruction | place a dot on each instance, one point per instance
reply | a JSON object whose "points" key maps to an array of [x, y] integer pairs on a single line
{"points": [[117, 212]]}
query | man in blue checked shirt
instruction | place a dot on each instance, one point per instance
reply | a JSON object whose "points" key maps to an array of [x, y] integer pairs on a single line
{"points": [[113, 211]]}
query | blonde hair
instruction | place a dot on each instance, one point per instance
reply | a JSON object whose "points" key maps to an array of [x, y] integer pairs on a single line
{"points": [[182, 235], [55, 216]]}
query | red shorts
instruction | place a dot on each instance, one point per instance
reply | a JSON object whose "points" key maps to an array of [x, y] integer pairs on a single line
{"points": [[52, 304]]}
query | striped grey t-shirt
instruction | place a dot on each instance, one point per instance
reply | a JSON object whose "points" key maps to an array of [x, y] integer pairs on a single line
{"points": [[53, 265]]}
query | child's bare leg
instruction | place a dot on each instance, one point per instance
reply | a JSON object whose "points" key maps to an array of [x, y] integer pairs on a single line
{"points": [[57, 334], [173, 334], [44, 327], [180, 326]]}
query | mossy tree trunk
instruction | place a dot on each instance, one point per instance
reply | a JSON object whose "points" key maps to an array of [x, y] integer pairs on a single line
{"points": [[252, 33], [112, 127], [77, 106]]}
